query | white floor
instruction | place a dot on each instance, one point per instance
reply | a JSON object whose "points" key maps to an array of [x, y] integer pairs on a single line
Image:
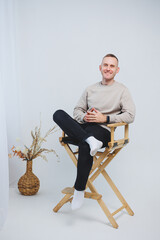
{"points": [[31, 217]]}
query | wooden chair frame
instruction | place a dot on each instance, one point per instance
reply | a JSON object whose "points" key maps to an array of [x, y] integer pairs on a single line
{"points": [[101, 160]]}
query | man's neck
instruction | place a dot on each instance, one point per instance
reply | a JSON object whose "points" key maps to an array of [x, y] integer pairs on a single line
{"points": [[107, 82]]}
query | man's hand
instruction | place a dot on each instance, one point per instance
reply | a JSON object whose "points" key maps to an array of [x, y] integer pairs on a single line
{"points": [[94, 116]]}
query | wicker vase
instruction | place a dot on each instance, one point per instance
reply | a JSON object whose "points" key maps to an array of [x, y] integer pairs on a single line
{"points": [[28, 184]]}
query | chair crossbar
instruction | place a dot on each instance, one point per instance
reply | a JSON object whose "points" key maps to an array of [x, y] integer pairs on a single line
{"points": [[75, 152], [103, 165], [100, 159], [118, 210]]}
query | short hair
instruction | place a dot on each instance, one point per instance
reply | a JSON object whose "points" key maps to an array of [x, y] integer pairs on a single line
{"points": [[111, 55]]}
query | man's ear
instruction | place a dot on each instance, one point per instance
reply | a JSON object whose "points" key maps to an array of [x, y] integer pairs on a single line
{"points": [[118, 69], [100, 67]]}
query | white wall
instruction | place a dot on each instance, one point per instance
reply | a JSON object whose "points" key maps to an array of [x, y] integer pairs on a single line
{"points": [[59, 46]]}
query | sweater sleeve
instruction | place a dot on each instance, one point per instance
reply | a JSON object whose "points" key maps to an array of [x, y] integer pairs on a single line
{"points": [[128, 109], [81, 108]]}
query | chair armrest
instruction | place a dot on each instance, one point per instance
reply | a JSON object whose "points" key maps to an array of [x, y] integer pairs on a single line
{"points": [[117, 124], [112, 126]]}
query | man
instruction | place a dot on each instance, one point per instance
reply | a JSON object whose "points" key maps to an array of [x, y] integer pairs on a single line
{"points": [[104, 102]]}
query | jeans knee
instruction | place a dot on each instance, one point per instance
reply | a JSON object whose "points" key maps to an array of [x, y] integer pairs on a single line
{"points": [[84, 147], [58, 115], [85, 160]]}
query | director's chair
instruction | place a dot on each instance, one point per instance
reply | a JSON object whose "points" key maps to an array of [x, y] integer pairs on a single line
{"points": [[100, 161]]}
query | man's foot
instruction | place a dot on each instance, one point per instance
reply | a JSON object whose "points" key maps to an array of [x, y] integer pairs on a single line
{"points": [[94, 144], [78, 199]]}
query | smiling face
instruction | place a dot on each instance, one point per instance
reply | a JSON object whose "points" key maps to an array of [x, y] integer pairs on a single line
{"points": [[109, 68]]}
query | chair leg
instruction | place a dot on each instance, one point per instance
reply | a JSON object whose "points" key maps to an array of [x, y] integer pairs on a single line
{"points": [[103, 205], [107, 213], [64, 200], [118, 194]]}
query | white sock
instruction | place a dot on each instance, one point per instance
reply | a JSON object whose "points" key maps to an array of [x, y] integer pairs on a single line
{"points": [[94, 144], [78, 199]]}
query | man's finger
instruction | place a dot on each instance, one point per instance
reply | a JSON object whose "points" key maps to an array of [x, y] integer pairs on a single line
{"points": [[90, 118], [96, 110], [90, 113]]}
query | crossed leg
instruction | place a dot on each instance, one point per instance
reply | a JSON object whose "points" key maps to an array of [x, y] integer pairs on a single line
{"points": [[90, 137]]}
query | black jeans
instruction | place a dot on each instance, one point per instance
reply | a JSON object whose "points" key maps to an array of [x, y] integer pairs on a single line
{"points": [[79, 133]]}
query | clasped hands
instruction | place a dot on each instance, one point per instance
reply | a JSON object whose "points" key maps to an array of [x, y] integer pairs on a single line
{"points": [[93, 115]]}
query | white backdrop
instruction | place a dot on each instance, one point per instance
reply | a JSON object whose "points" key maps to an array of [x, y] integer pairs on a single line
{"points": [[59, 46]]}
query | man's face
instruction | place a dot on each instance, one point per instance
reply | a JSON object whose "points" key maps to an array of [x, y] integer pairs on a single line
{"points": [[109, 68]]}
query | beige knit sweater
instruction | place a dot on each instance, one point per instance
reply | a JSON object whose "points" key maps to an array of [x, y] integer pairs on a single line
{"points": [[113, 100]]}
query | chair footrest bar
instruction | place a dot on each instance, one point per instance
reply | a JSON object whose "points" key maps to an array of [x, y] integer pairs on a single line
{"points": [[69, 200], [95, 196], [68, 190], [118, 210]]}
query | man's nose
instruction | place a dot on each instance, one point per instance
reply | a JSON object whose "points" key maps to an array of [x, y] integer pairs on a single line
{"points": [[108, 68]]}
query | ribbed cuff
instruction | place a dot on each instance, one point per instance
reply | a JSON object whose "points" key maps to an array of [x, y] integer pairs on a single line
{"points": [[113, 118], [108, 119], [82, 116]]}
